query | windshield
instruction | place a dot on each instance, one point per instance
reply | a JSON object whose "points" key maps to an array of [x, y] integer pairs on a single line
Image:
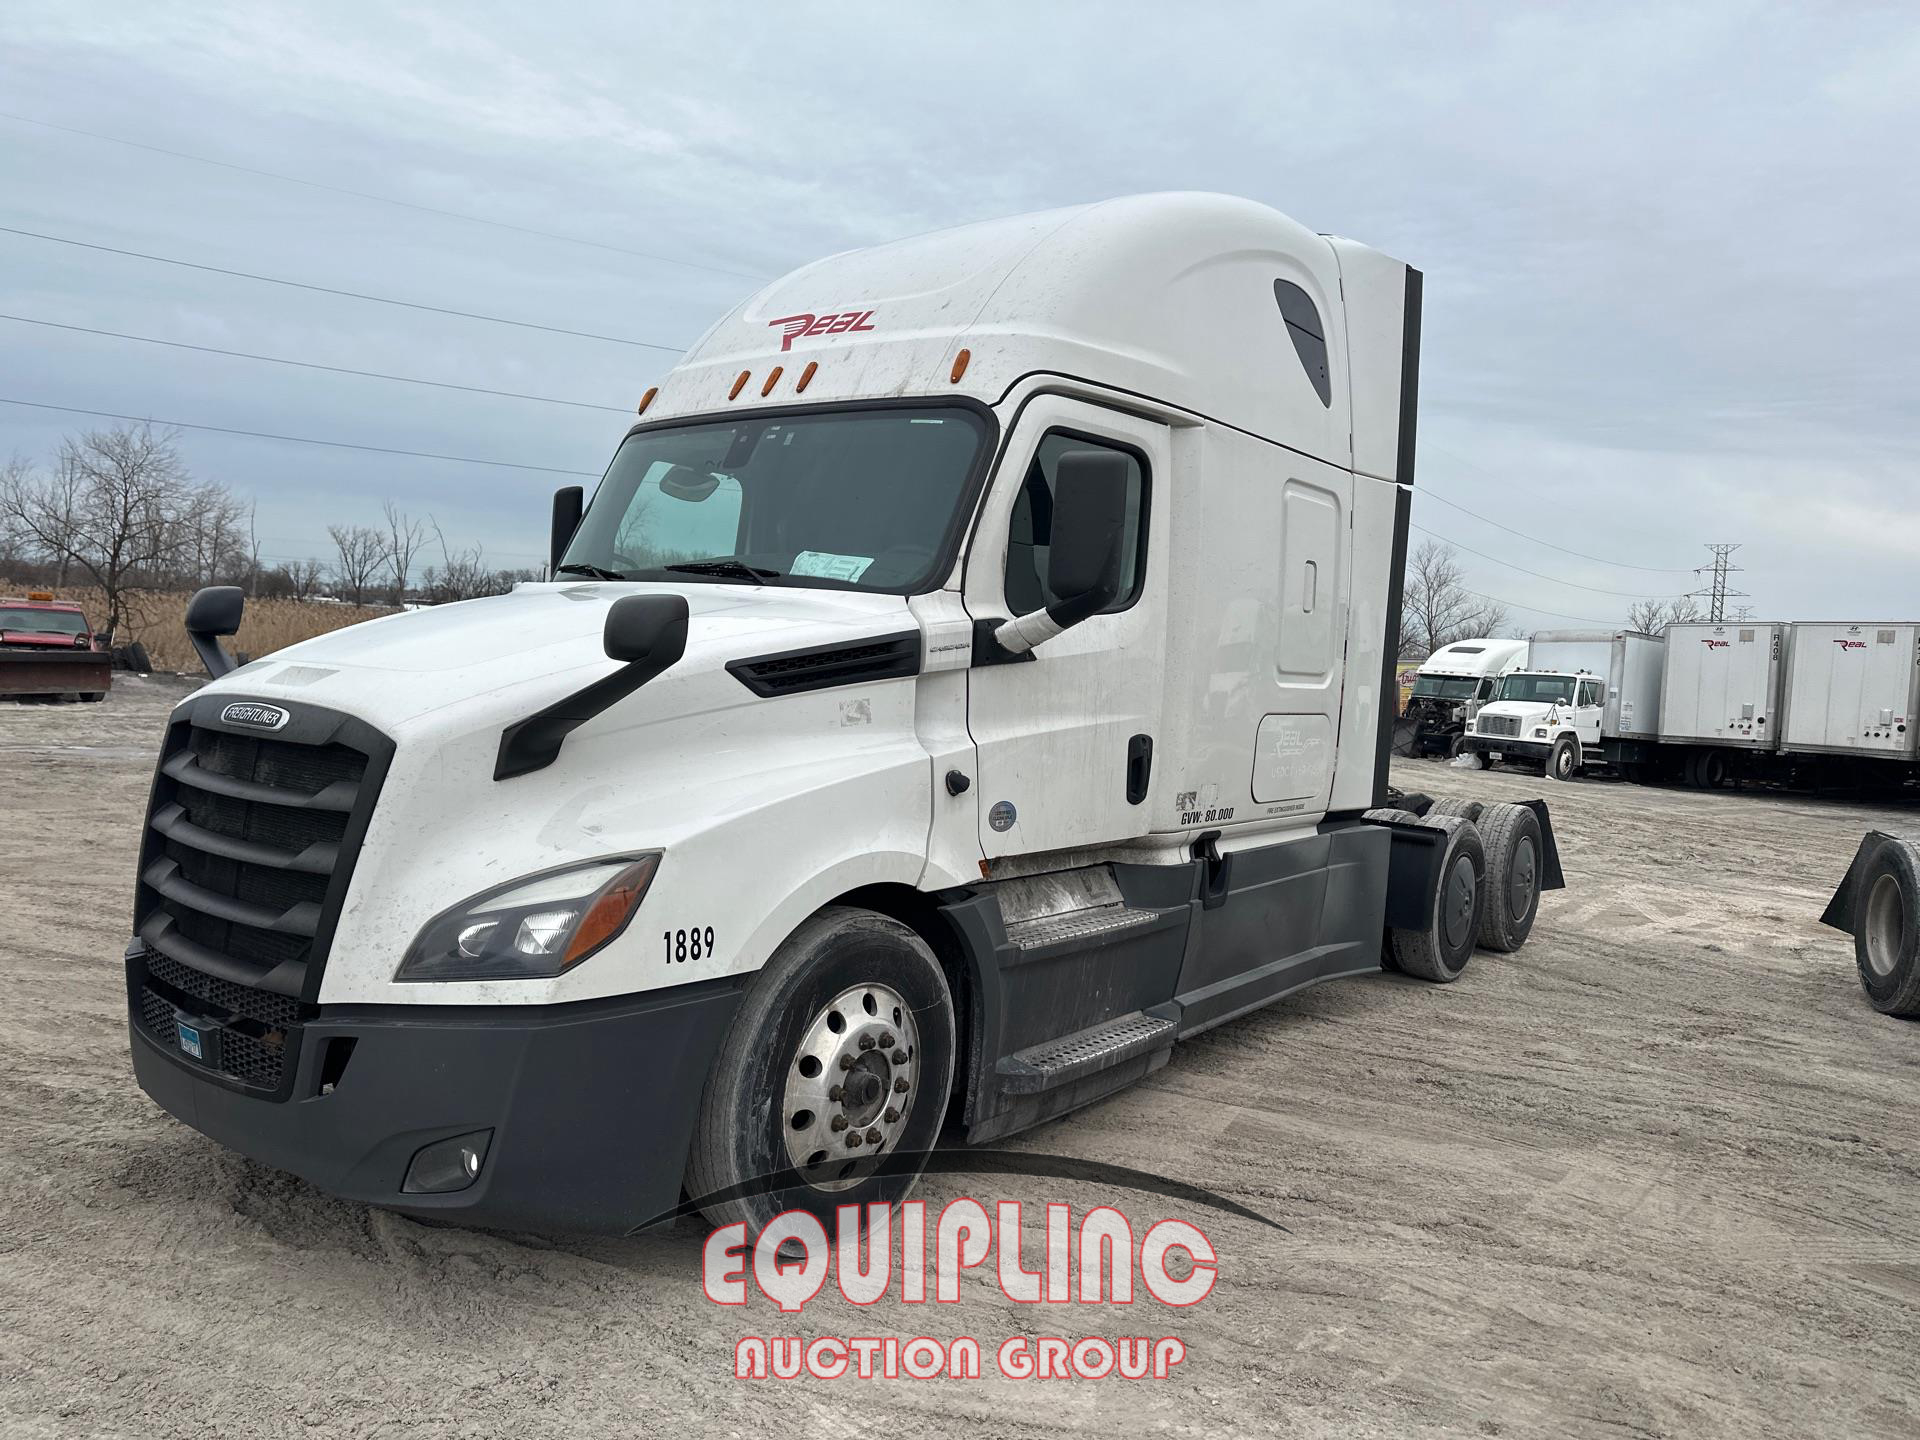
{"points": [[1546, 689], [1444, 687], [866, 499], [53, 622]]}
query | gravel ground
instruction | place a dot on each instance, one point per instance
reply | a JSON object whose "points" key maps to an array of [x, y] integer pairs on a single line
{"points": [[1654, 1175]]}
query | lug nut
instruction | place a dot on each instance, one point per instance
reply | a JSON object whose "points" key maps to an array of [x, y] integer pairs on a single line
{"points": [[846, 1062], [899, 1057], [900, 1086], [853, 1141], [886, 1040], [839, 1122], [892, 1115], [873, 1136], [835, 1093], [866, 1042]]}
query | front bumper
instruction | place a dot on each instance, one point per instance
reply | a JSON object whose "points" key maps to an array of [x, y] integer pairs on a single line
{"points": [[591, 1105], [1503, 747]]}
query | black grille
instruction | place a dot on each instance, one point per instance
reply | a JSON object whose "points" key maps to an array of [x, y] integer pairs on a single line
{"points": [[249, 847], [823, 666]]}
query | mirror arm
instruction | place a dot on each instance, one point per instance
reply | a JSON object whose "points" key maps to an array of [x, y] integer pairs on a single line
{"points": [[1017, 637], [534, 743]]}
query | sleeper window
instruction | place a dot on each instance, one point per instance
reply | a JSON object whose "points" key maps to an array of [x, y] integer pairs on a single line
{"points": [[1030, 529]]}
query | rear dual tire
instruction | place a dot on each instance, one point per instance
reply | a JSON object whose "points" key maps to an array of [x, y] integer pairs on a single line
{"points": [[1440, 950], [1886, 933]]}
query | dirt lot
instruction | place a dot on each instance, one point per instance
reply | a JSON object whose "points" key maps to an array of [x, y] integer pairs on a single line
{"points": [[1658, 1174]]}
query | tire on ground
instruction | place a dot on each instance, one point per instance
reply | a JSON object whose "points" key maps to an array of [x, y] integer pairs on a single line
{"points": [[1441, 950], [743, 1125], [92, 697], [1563, 761], [1886, 929], [1516, 855], [1455, 805]]}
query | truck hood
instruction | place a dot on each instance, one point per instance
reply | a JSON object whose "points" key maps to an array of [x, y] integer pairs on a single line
{"points": [[41, 640], [506, 655], [1528, 712]]}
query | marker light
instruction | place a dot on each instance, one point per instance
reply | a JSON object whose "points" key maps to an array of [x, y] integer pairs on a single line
{"points": [[773, 379], [806, 376], [739, 384], [647, 399], [960, 365], [533, 928]]}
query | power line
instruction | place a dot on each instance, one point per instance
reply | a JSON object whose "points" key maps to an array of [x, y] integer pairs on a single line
{"points": [[1621, 594], [348, 294], [1532, 610], [298, 439], [380, 199], [1596, 559], [315, 365]]}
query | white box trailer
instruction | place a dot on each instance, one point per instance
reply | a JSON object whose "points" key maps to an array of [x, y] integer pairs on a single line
{"points": [[972, 676], [1852, 689], [1722, 685]]}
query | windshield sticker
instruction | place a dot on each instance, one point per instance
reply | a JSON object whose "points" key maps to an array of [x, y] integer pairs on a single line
{"points": [[830, 567]]}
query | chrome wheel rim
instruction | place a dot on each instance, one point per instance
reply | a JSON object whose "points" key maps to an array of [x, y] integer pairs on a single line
{"points": [[851, 1086]]}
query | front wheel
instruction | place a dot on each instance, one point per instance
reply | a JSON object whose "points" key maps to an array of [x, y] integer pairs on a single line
{"points": [[1563, 761], [841, 1056]]}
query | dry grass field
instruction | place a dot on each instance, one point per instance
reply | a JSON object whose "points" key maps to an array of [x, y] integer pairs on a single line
{"points": [[157, 620]]}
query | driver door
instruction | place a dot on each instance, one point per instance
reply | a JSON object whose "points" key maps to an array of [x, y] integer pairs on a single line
{"points": [[1589, 703], [1065, 736]]}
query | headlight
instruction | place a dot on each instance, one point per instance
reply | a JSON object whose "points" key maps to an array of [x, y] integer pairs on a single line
{"points": [[533, 928]]}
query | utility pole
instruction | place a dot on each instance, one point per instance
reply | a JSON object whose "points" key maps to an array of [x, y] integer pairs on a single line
{"points": [[1716, 593], [1742, 614]]}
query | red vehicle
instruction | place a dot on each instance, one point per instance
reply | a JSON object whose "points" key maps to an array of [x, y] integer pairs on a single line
{"points": [[47, 648]]}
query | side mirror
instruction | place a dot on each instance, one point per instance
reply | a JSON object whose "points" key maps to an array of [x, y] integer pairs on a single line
{"points": [[1088, 548], [648, 633], [569, 502], [213, 612]]}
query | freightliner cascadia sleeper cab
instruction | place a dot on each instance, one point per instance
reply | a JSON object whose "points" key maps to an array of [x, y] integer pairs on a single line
{"points": [[972, 675]]}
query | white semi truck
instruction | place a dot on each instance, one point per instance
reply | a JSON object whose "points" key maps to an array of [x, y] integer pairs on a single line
{"points": [[971, 676], [1448, 691], [1585, 698]]}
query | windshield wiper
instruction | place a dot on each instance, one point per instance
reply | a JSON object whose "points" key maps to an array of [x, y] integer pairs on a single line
{"points": [[594, 570], [737, 568]]}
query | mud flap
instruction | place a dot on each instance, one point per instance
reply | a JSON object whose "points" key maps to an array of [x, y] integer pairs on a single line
{"points": [[1550, 876], [1839, 911]]}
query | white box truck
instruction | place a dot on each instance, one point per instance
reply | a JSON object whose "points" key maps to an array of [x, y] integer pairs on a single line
{"points": [[1720, 699], [1585, 698], [1448, 690], [1852, 690], [971, 676]]}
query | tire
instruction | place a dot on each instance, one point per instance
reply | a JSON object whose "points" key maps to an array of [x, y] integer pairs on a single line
{"points": [[1454, 805], [1563, 760], [1441, 950], [835, 962], [1712, 770], [92, 697], [1392, 813], [1886, 929], [1516, 855], [1456, 747], [132, 657]]}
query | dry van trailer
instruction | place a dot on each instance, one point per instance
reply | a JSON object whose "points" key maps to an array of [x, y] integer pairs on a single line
{"points": [[1852, 690]]}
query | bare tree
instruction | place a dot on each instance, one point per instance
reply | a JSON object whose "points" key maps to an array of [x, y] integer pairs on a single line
{"points": [[404, 539], [1653, 616], [1436, 608], [362, 555], [112, 509]]}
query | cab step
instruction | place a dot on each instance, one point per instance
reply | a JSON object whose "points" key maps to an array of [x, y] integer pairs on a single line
{"points": [[1077, 925], [1073, 1057]]}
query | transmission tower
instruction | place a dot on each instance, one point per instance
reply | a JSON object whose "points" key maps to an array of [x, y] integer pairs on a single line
{"points": [[1715, 592]]}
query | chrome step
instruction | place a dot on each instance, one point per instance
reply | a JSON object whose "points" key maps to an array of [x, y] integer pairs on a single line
{"points": [[1057, 1062], [1070, 925]]}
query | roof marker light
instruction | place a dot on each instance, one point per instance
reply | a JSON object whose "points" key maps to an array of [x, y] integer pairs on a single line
{"points": [[806, 376], [773, 378], [739, 384], [960, 365], [647, 399]]}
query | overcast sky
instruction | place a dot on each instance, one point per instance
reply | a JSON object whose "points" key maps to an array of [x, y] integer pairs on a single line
{"points": [[1670, 252]]}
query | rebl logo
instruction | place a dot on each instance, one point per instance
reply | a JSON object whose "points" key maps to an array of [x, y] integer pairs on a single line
{"points": [[840, 323]]}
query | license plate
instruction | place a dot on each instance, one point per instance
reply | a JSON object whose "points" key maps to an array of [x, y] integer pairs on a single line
{"points": [[190, 1041], [1493, 754]]}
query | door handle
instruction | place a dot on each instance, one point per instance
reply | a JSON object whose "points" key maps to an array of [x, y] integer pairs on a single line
{"points": [[1139, 768]]}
